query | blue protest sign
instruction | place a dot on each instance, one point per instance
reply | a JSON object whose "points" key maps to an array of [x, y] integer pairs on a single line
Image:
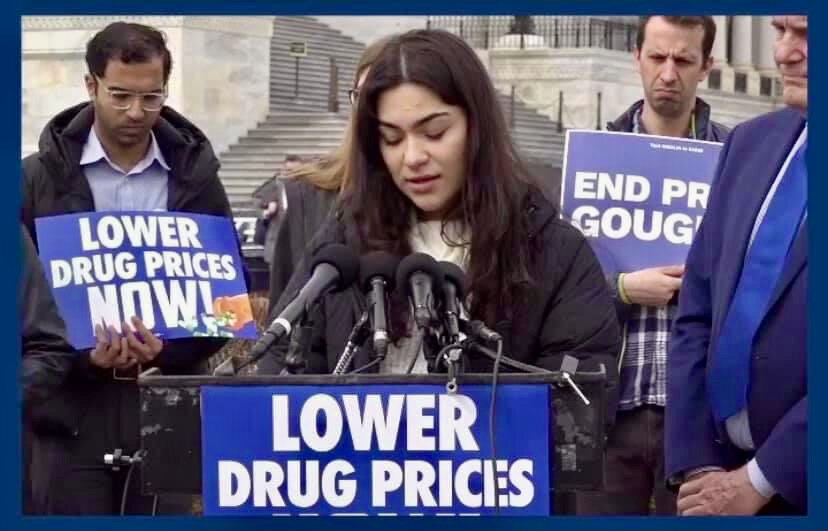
{"points": [[639, 199], [374, 450], [180, 273]]}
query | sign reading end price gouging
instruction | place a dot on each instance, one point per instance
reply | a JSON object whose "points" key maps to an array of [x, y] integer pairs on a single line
{"points": [[375, 450], [181, 274], [639, 199]]}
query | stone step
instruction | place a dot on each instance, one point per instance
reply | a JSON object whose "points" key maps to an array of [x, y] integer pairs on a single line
{"points": [[280, 136], [316, 64], [287, 82], [317, 44], [289, 115], [308, 88], [297, 134], [240, 149], [310, 103], [317, 29], [229, 167], [245, 183], [300, 127], [288, 146], [271, 158], [537, 137], [239, 182]]}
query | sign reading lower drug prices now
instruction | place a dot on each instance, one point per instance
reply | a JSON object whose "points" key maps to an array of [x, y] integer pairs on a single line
{"points": [[374, 450], [180, 273], [639, 199]]}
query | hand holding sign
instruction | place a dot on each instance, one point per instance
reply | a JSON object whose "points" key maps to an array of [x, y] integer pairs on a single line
{"points": [[145, 349], [654, 286], [181, 273], [115, 350], [110, 350]]}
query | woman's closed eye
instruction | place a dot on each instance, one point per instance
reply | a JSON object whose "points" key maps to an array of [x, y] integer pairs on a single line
{"points": [[390, 140], [435, 135]]}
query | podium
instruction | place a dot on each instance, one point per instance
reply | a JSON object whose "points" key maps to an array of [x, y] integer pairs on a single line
{"points": [[172, 413]]}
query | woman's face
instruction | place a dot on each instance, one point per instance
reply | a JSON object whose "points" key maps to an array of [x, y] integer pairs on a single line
{"points": [[423, 144]]}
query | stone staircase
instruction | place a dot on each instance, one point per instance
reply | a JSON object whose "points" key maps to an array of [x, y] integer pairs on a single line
{"points": [[304, 126], [323, 44], [536, 136], [299, 125]]}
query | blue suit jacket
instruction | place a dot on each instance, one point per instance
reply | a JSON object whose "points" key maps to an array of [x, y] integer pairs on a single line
{"points": [[777, 399]]}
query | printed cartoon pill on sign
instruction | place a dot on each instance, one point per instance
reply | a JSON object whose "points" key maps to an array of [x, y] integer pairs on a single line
{"points": [[374, 449], [639, 199], [179, 273]]}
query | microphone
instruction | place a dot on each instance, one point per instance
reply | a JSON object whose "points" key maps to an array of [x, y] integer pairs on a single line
{"points": [[377, 271], [418, 272], [334, 266], [479, 330], [453, 281]]}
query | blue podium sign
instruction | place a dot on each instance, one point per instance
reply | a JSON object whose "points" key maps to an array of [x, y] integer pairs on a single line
{"points": [[375, 450]]}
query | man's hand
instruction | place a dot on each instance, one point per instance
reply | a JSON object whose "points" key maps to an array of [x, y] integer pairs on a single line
{"points": [[271, 210], [720, 493], [654, 286], [111, 350], [146, 346], [115, 350]]}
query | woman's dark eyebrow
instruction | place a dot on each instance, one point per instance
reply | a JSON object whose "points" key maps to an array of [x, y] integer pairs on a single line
{"points": [[419, 122]]}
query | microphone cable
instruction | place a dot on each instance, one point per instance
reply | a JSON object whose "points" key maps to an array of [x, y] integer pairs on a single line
{"points": [[365, 367], [505, 360], [417, 353], [126, 488], [492, 404], [134, 460]]}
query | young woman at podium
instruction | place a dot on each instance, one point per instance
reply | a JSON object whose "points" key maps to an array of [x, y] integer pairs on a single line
{"points": [[435, 171]]}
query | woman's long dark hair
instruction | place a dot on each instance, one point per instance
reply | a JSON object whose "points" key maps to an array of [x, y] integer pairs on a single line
{"points": [[378, 216]]}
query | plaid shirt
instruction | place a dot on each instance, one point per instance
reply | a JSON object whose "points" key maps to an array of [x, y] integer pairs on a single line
{"points": [[643, 371], [643, 365]]}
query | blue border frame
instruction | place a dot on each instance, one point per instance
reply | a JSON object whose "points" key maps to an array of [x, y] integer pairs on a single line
{"points": [[10, 31]]}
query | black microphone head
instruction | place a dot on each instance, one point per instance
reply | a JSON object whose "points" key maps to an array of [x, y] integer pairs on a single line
{"points": [[378, 264], [455, 275], [418, 262], [342, 258]]}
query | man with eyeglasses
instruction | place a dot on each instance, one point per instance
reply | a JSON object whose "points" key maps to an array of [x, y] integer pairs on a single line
{"points": [[122, 150]]}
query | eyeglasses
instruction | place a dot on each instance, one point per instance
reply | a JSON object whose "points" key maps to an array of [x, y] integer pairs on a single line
{"points": [[123, 99], [353, 96]]}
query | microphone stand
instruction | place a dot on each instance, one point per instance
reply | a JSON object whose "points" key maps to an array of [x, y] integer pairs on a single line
{"points": [[452, 357], [359, 334], [300, 337], [301, 334]]}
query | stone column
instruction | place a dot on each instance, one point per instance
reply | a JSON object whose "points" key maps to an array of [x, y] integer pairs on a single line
{"points": [[719, 51], [719, 54], [764, 49], [743, 52]]}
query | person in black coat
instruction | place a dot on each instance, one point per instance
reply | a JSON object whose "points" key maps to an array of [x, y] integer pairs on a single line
{"points": [[310, 191], [434, 170], [96, 411], [46, 354]]}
